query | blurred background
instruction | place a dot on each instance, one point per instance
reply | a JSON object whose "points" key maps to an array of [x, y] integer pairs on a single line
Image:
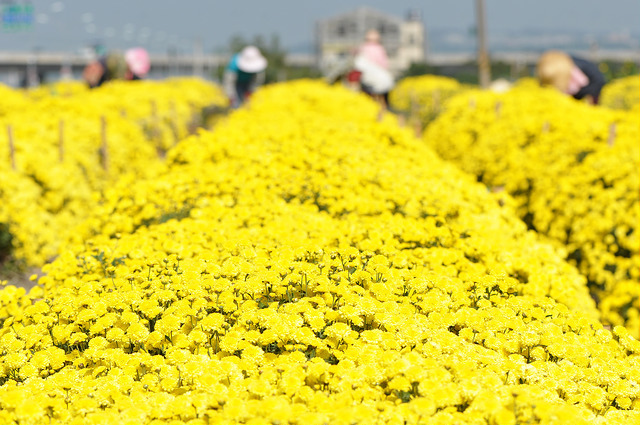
{"points": [[45, 41]]}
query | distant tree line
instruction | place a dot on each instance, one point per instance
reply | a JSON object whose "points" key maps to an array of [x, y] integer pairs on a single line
{"points": [[468, 72]]}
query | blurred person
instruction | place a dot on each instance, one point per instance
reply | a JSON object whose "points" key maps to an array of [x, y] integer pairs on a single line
{"points": [[243, 75], [500, 85], [32, 78], [570, 75], [134, 64], [372, 63], [373, 50], [138, 63], [341, 69]]}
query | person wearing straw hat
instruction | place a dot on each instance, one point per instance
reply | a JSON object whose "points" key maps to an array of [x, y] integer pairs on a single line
{"points": [[570, 75], [244, 74]]}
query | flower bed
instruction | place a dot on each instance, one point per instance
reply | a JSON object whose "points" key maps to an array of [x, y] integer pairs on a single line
{"points": [[573, 172], [304, 263], [56, 150]]}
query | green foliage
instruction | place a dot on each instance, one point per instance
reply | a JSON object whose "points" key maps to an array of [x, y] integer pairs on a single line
{"points": [[468, 72], [5, 241], [613, 70], [420, 68]]}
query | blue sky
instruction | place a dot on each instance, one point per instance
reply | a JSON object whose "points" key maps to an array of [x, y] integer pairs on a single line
{"points": [[71, 24]]}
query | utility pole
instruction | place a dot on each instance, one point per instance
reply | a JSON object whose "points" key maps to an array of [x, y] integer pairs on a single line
{"points": [[484, 66], [198, 62]]}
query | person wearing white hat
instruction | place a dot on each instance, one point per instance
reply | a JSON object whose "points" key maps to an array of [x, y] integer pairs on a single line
{"points": [[244, 74]]}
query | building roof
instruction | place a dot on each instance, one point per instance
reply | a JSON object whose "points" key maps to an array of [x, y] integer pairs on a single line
{"points": [[362, 12]]}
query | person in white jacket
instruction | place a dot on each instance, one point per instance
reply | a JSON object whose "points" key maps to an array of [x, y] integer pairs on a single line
{"points": [[372, 62]]}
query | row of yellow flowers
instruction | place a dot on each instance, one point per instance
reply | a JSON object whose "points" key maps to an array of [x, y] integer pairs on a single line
{"points": [[424, 97], [55, 151], [305, 264], [622, 93], [573, 172]]}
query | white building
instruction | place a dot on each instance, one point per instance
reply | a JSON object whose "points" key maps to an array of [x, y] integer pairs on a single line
{"points": [[337, 38]]}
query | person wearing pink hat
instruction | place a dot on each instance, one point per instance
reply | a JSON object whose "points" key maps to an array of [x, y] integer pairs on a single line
{"points": [[373, 50], [138, 63], [133, 65], [244, 74]]}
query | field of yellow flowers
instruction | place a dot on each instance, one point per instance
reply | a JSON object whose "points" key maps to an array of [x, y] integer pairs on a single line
{"points": [[573, 171], [60, 143], [304, 263]]}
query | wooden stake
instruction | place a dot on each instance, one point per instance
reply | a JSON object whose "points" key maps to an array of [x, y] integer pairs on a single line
{"points": [[402, 120], [172, 111], [436, 101], [12, 150], [196, 114], [61, 140], [104, 148], [545, 127], [155, 127], [414, 116], [417, 129], [413, 107], [612, 134], [174, 121], [498, 109]]}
